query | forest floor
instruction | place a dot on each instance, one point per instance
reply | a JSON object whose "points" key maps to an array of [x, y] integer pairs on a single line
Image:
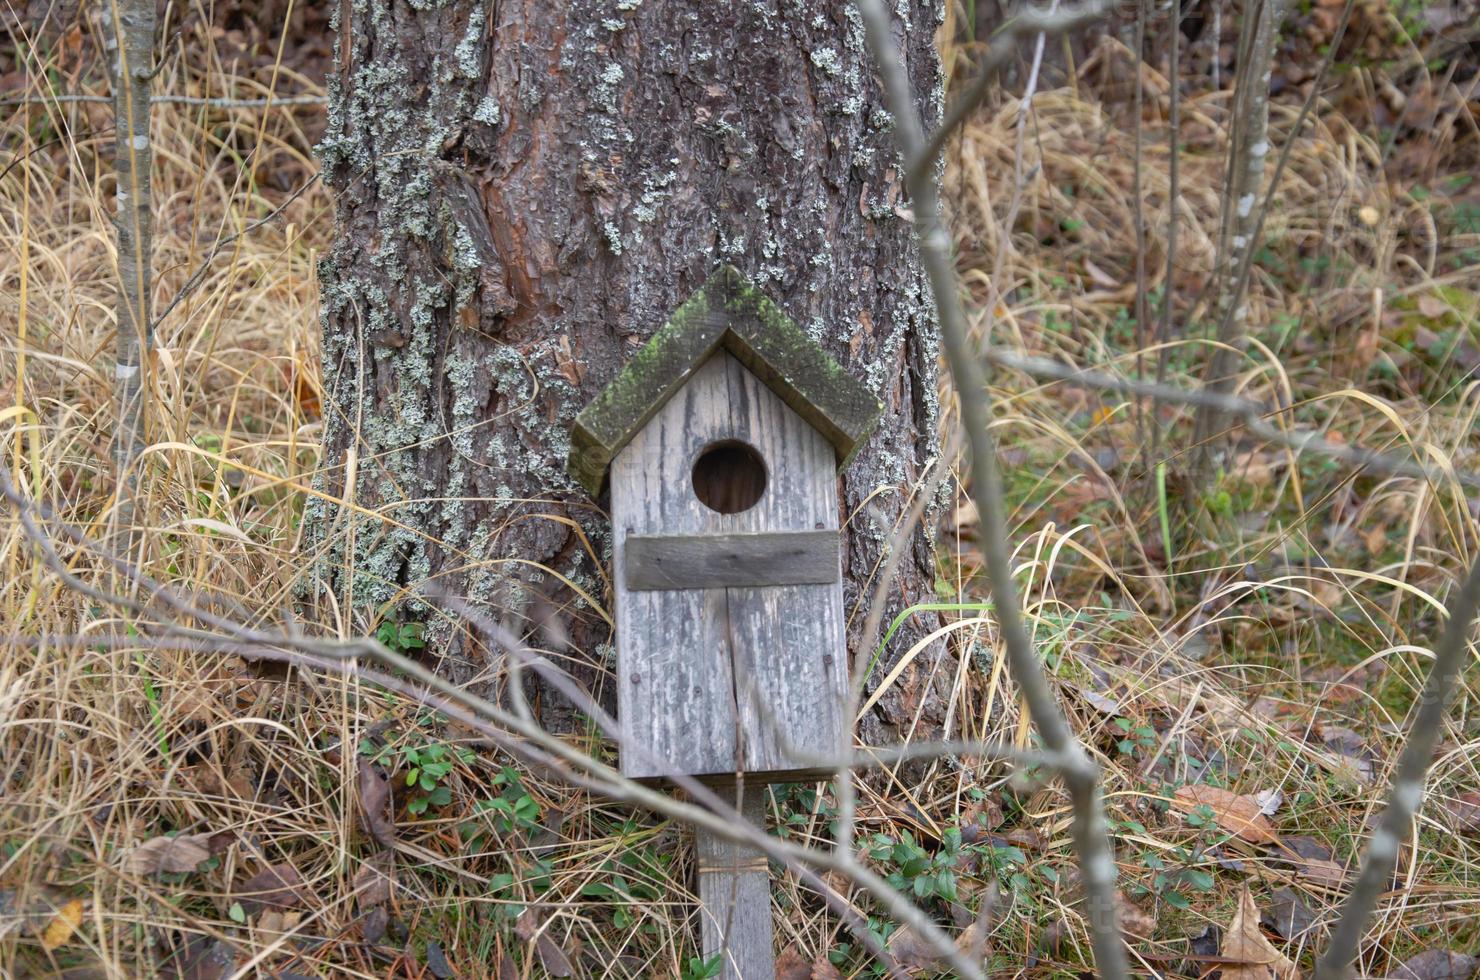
{"points": [[1240, 655]]}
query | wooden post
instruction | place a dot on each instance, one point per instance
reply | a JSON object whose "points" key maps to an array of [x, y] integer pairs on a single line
{"points": [[735, 896]]}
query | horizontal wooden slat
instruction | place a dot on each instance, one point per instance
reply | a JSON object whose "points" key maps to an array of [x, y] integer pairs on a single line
{"points": [[715, 561]]}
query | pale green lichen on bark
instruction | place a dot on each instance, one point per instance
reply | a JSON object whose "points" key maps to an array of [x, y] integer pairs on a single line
{"points": [[397, 316]]}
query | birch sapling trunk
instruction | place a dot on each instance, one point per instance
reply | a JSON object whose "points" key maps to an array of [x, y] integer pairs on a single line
{"points": [[130, 53], [1247, 158]]}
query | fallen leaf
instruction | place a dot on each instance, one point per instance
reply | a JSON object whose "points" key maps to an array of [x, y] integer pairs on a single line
{"points": [[791, 965], [1135, 921], [1432, 306], [201, 958], [1253, 957], [914, 954], [822, 969], [1102, 703], [986, 813], [373, 923], [270, 921], [30, 910], [374, 786], [1206, 943], [373, 882], [437, 964], [1289, 916], [278, 886], [1047, 943], [1437, 964], [60, 929], [1463, 812], [172, 855], [1099, 276], [1239, 815], [1312, 859], [1354, 758], [528, 928], [973, 941]]}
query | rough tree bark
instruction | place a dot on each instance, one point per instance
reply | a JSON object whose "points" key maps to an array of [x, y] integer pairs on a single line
{"points": [[525, 191]]}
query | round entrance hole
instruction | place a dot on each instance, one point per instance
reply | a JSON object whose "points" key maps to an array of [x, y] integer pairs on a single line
{"points": [[729, 476]]}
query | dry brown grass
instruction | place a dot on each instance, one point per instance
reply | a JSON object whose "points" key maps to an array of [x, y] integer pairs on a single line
{"points": [[1288, 630]]}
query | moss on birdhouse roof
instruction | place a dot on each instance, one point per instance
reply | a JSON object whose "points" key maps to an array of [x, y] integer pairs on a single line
{"points": [[727, 311]]}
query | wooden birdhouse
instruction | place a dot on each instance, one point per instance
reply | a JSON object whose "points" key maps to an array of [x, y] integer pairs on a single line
{"points": [[721, 442]]}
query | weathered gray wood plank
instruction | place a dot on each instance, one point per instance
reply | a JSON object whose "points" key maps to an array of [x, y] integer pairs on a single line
{"points": [[713, 561], [735, 897], [698, 666], [786, 641], [674, 678]]}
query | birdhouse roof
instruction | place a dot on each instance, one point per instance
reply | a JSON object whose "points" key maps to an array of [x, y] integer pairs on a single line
{"points": [[727, 311]]}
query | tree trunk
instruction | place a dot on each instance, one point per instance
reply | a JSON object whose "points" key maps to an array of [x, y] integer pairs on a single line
{"points": [[526, 191]]}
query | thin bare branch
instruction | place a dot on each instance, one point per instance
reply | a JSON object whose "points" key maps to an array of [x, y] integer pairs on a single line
{"points": [[1091, 836], [199, 274], [1451, 657]]}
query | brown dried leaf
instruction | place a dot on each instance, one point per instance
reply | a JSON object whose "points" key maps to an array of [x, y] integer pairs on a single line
{"points": [[1463, 812], [986, 813], [915, 955], [374, 786], [1437, 964], [1289, 916], [1433, 307], [1255, 957], [373, 882], [201, 958], [171, 855], [822, 969], [1311, 859], [973, 941], [1354, 757], [30, 909], [373, 924], [277, 886], [791, 965], [1135, 921], [1239, 815], [552, 957]]}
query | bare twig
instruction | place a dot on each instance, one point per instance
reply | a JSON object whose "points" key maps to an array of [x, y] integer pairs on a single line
{"points": [[1451, 657], [1091, 837]]}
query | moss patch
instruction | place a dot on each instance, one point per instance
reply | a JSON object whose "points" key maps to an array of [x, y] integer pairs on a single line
{"points": [[727, 311]]}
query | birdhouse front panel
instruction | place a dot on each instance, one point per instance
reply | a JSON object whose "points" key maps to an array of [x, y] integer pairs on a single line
{"points": [[728, 595]]}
